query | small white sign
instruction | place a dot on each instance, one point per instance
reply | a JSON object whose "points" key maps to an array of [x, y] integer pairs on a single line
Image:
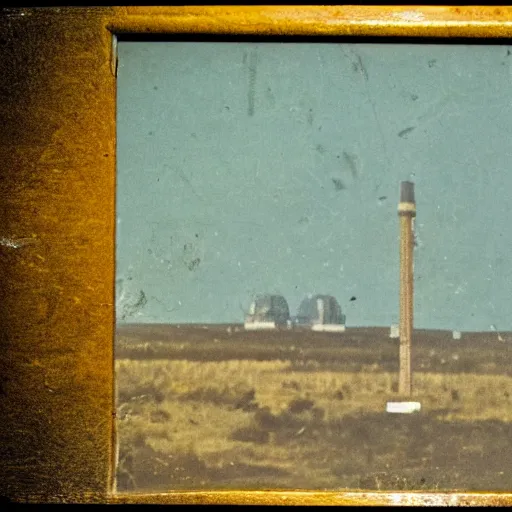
{"points": [[403, 407], [394, 331]]}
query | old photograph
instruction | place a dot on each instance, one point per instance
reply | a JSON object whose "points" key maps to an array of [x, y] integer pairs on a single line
{"points": [[312, 284]]}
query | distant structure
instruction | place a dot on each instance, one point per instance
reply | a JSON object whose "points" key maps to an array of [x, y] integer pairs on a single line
{"points": [[321, 313], [267, 312], [394, 331], [456, 335]]}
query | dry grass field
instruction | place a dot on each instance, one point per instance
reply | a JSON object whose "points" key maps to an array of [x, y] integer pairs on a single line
{"points": [[215, 407]]}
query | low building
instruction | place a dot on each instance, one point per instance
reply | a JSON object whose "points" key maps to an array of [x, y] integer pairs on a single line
{"points": [[267, 312], [321, 313]]}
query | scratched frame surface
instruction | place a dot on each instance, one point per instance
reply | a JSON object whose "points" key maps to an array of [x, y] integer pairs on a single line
{"points": [[57, 232]]}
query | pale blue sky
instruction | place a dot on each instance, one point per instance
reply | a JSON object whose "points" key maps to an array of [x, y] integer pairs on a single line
{"points": [[248, 168]]}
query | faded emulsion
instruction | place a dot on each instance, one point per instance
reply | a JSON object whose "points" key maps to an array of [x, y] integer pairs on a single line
{"points": [[279, 326]]}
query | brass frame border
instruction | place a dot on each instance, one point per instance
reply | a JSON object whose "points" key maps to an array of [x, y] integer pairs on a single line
{"points": [[57, 232]]}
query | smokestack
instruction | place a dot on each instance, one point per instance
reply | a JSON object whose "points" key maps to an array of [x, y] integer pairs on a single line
{"points": [[406, 213]]}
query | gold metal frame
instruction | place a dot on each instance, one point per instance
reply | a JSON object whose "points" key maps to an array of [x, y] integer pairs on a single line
{"points": [[57, 232]]}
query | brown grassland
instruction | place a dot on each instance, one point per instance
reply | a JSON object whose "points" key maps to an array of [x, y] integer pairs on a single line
{"points": [[215, 407]]}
